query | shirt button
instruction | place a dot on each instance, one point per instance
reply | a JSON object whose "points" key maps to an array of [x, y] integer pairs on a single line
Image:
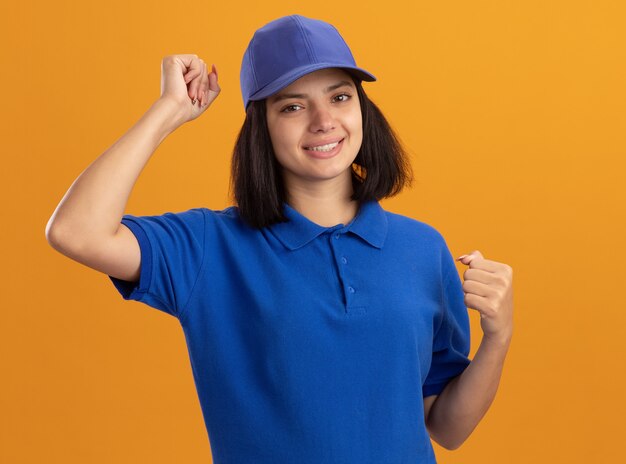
{"points": [[350, 289], [344, 260], [336, 235]]}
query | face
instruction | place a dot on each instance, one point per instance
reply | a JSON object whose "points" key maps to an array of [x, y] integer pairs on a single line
{"points": [[316, 127]]}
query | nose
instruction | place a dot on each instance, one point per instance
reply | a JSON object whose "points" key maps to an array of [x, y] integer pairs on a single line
{"points": [[322, 119]]}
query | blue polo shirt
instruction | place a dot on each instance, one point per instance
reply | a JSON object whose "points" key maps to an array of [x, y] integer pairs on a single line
{"points": [[308, 344]]}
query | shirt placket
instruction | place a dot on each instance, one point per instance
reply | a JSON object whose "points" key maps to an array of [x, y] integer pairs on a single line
{"points": [[342, 259]]}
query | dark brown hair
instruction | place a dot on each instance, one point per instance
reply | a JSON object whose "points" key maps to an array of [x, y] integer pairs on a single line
{"points": [[381, 168]]}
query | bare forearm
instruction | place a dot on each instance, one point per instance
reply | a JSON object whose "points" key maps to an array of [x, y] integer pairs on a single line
{"points": [[95, 202], [462, 404]]}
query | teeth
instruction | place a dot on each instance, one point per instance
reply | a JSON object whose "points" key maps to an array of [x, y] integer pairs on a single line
{"points": [[328, 147]]}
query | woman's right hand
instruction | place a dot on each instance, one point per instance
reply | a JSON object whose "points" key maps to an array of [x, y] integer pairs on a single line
{"points": [[185, 81]]}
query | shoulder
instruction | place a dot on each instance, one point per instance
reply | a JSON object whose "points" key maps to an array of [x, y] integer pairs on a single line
{"points": [[401, 225], [193, 221], [419, 240], [167, 223], [227, 224], [228, 216]]}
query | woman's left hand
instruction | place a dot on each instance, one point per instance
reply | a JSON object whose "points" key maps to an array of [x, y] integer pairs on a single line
{"points": [[488, 287]]}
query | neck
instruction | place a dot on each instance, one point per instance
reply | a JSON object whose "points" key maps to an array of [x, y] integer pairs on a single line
{"points": [[325, 203]]}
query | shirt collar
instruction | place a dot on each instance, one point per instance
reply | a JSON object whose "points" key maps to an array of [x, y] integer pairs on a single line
{"points": [[370, 224]]}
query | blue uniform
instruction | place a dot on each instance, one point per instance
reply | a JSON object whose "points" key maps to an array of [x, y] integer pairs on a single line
{"points": [[308, 344]]}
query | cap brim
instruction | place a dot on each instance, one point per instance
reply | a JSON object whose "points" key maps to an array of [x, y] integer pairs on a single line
{"points": [[297, 73]]}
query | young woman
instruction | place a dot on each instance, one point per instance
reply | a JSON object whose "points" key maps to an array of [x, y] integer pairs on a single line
{"points": [[320, 327]]}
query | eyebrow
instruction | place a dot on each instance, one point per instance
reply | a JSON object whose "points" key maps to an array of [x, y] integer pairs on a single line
{"points": [[284, 96]]}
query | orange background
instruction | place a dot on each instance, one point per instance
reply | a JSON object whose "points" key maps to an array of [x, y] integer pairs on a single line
{"points": [[514, 115]]}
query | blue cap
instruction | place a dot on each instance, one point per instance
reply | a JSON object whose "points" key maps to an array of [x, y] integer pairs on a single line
{"points": [[286, 49]]}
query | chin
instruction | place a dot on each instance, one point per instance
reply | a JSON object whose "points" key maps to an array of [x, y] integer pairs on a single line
{"points": [[330, 173]]}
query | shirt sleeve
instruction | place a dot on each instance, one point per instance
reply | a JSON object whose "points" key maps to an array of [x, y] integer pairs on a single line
{"points": [[172, 252], [451, 343]]}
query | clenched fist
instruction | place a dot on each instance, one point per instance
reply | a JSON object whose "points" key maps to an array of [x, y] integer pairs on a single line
{"points": [[488, 288], [185, 81]]}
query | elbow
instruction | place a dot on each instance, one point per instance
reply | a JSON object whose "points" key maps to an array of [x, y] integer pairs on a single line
{"points": [[448, 444], [53, 236], [57, 238], [451, 446]]}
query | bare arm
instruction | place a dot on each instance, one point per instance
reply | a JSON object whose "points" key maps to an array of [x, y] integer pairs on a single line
{"points": [[95, 203], [86, 225], [457, 410]]}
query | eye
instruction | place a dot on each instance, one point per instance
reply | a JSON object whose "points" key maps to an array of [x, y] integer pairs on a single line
{"points": [[348, 96], [284, 110], [287, 109]]}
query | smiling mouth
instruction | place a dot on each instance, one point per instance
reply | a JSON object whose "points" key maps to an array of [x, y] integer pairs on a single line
{"points": [[324, 148]]}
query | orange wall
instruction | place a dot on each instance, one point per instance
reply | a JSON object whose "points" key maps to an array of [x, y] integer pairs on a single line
{"points": [[514, 114]]}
